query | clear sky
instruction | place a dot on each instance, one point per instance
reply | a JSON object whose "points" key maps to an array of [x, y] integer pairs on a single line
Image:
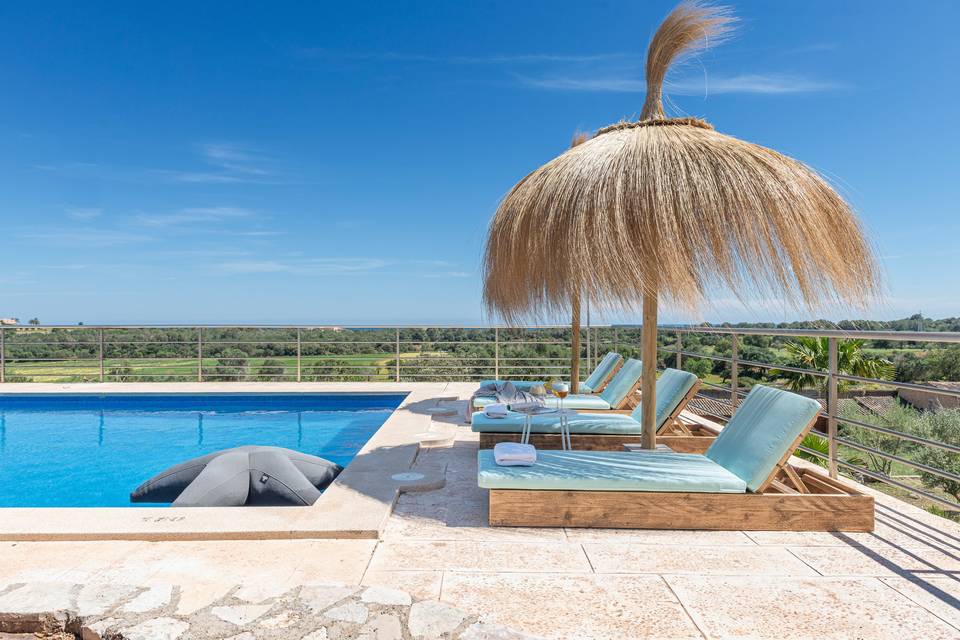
{"points": [[339, 162]]}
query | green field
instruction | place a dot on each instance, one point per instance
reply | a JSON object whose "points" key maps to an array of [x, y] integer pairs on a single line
{"points": [[68, 370]]}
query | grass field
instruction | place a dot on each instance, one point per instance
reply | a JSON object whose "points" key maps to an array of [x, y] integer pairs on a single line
{"points": [[67, 370], [375, 365]]}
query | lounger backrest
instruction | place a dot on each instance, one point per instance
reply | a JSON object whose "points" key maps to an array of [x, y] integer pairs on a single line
{"points": [[623, 383], [761, 433], [672, 387], [602, 371]]}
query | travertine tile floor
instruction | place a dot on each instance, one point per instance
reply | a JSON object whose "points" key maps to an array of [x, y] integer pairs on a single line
{"points": [[900, 582]]}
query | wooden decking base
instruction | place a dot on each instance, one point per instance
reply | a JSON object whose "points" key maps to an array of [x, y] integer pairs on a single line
{"points": [[826, 505]]}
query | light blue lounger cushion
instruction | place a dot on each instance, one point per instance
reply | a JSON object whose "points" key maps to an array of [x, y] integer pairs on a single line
{"points": [[761, 432], [519, 385], [622, 383], [610, 471], [595, 423], [613, 395], [578, 401], [672, 386], [601, 372]]}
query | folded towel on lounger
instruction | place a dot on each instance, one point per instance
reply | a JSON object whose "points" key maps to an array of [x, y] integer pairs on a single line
{"points": [[514, 454], [496, 410]]}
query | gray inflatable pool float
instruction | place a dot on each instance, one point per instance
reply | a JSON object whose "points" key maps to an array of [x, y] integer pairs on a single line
{"points": [[249, 475]]}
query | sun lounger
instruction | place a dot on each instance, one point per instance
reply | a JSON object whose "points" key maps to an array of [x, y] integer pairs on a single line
{"points": [[595, 383], [619, 393], [607, 431], [743, 482]]}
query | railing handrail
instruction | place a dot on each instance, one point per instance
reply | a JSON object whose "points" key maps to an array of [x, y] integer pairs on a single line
{"points": [[843, 334]]}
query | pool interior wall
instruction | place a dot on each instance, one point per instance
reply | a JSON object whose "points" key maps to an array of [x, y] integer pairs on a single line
{"points": [[83, 450]]}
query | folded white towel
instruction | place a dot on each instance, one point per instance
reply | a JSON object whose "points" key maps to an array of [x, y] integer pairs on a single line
{"points": [[496, 410], [514, 454]]}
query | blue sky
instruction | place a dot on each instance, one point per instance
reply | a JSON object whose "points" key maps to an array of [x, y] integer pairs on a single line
{"points": [[339, 162]]}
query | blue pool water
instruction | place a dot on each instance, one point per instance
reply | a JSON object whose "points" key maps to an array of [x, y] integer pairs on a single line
{"points": [[89, 451]]}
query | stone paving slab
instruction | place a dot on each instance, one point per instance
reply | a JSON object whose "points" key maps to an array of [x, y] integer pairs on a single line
{"points": [[573, 606], [939, 595], [823, 608], [863, 561], [324, 611], [547, 557], [420, 584], [699, 560]]}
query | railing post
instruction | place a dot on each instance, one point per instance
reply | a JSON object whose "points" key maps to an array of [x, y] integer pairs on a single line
{"points": [[299, 368], [496, 353], [589, 365], [398, 354], [832, 366], [679, 351], [616, 339], [101, 354], [3, 354], [199, 354], [734, 370]]}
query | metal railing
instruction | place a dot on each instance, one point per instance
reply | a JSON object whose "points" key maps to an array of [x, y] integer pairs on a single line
{"points": [[832, 376], [307, 353], [119, 353]]}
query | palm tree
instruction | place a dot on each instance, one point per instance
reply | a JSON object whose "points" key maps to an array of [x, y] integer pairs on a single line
{"points": [[813, 353]]}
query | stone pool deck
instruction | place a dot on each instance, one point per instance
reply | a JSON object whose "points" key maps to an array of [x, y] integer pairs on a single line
{"points": [[901, 581]]}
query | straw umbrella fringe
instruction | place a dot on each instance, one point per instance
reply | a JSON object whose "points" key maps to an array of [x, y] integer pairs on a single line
{"points": [[669, 209]]}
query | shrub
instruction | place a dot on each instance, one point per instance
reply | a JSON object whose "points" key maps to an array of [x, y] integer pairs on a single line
{"points": [[271, 371], [898, 418], [231, 365], [942, 426]]}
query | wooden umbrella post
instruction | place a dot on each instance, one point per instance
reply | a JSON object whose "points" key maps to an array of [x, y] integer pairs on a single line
{"points": [[648, 379], [575, 345]]}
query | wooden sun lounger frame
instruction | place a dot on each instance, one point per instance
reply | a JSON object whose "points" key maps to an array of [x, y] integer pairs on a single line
{"points": [[793, 498], [674, 433]]}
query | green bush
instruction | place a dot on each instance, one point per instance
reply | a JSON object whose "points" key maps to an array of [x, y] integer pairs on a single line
{"points": [[271, 371], [231, 365], [942, 426], [899, 418]]}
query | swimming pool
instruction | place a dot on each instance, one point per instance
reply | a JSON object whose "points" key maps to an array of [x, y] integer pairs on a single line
{"points": [[59, 450]]}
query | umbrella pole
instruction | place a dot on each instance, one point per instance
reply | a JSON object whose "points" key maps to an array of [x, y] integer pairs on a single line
{"points": [[575, 345], [648, 379]]}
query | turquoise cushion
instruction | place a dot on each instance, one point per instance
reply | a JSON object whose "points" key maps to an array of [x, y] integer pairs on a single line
{"points": [[672, 386], [601, 372], [593, 423], [618, 388], [610, 471], [578, 401], [520, 385], [761, 432]]}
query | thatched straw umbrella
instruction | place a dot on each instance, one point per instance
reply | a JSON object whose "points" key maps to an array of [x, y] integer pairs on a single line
{"points": [[668, 208]]}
